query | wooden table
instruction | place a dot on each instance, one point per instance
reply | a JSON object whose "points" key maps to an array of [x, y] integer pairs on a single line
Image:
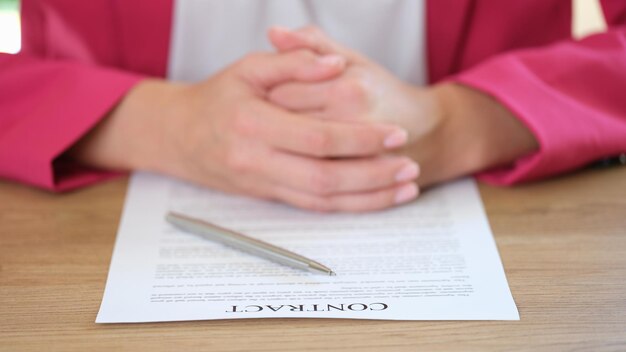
{"points": [[563, 244]]}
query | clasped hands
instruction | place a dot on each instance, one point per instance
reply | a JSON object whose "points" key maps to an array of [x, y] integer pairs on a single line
{"points": [[314, 124], [344, 152]]}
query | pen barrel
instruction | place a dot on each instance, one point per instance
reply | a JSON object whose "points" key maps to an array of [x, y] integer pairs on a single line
{"points": [[242, 242]]}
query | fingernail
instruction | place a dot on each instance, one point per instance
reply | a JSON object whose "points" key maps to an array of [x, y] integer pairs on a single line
{"points": [[396, 139], [332, 60], [407, 173], [406, 193]]}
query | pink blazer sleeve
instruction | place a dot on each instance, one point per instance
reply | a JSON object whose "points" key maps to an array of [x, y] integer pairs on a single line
{"points": [[571, 95], [45, 107]]}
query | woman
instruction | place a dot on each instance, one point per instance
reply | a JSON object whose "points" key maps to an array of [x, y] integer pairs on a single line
{"points": [[443, 89]]}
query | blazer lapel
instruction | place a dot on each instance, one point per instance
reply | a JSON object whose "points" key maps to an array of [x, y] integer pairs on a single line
{"points": [[447, 23], [145, 31], [144, 34]]}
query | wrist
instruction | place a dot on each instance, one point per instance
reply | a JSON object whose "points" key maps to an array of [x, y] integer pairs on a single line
{"points": [[473, 132], [460, 139], [435, 150], [132, 133]]}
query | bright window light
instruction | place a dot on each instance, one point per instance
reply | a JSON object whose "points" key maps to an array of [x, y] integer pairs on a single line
{"points": [[10, 39]]}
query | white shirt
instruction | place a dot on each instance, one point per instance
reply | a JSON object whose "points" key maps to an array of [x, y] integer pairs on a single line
{"points": [[208, 35]]}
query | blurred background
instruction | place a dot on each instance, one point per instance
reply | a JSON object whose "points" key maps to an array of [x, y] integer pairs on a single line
{"points": [[9, 26], [587, 19]]}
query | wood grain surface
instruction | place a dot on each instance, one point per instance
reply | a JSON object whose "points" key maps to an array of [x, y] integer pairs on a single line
{"points": [[562, 242]]}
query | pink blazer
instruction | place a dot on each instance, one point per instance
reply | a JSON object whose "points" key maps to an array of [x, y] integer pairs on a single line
{"points": [[80, 57]]}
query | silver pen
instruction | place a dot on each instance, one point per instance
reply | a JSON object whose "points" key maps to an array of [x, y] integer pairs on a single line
{"points": [[248, 244]]}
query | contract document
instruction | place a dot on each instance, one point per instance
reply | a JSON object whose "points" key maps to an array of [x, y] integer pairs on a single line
{"points": [[432, 259]]}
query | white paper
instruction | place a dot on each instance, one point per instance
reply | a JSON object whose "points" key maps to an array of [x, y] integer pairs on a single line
{"points": [[433, 259]]}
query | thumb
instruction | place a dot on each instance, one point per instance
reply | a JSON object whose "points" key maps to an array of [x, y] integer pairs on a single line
{"points": [[265, 70]]}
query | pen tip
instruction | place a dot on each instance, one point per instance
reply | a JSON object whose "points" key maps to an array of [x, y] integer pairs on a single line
{"points": [[332, 273]]}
